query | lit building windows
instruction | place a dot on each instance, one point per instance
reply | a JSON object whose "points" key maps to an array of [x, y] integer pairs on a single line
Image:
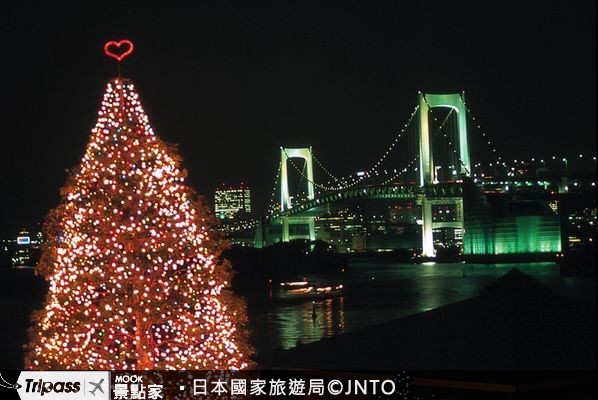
{"points": [[232, 201]]}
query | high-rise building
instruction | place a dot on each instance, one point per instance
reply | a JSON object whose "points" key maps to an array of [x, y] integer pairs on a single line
{"points": [[232, 201]]}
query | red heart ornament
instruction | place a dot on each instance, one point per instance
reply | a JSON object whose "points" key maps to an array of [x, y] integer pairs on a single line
{"points": [[118, 50]]}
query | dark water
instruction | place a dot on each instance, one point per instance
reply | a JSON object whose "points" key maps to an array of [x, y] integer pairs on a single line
{"points": [[374, 293]]}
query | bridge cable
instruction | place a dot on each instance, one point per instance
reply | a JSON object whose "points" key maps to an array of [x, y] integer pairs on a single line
{"points": [[396, 175], [347, 182], [300, 178], [450, 141], [302, 174], [487, 141], [405, 169], [330, 174], [273, 202], [374, 167]]}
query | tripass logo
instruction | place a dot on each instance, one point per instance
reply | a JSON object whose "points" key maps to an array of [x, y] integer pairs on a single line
{"points": [[57, 387], [64, 385]]}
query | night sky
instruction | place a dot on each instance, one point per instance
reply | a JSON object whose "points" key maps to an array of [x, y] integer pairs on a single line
{"points": [[232, 81]]}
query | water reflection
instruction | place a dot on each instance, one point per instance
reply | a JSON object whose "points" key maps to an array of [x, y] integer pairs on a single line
{"points": [[374, 293], [308, 321], [334, 317]]}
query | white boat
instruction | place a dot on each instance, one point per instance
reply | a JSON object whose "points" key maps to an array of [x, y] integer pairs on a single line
{"points": [[306, 290]]}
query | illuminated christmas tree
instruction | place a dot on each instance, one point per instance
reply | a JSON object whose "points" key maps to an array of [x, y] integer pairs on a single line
{"points": [[132, 264]]}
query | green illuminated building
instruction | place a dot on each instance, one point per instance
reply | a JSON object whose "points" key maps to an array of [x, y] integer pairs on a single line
{"points": [[500, 229]]}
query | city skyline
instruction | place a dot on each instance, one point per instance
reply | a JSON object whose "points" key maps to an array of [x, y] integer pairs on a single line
{"points": [[231, 83]]}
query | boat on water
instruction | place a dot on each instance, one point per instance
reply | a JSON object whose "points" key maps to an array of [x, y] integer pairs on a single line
{"points": [[293, 285], [307, 290]]}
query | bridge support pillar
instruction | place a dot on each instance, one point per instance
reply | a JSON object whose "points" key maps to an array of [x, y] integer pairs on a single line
{"points": [[426, 160], [428, 224], [286, 154], [427, 236], [285, 198], [286, 228], [259, 239], [312, 229]]}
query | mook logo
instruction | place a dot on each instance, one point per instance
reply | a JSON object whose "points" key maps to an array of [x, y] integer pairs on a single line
{"points": [[63, 385]]}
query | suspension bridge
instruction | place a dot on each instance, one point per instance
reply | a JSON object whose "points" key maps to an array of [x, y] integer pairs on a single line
{"points": [[428, 162]]}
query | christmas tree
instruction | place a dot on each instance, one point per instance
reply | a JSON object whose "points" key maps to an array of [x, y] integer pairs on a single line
{"points": [[132, 264]]}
